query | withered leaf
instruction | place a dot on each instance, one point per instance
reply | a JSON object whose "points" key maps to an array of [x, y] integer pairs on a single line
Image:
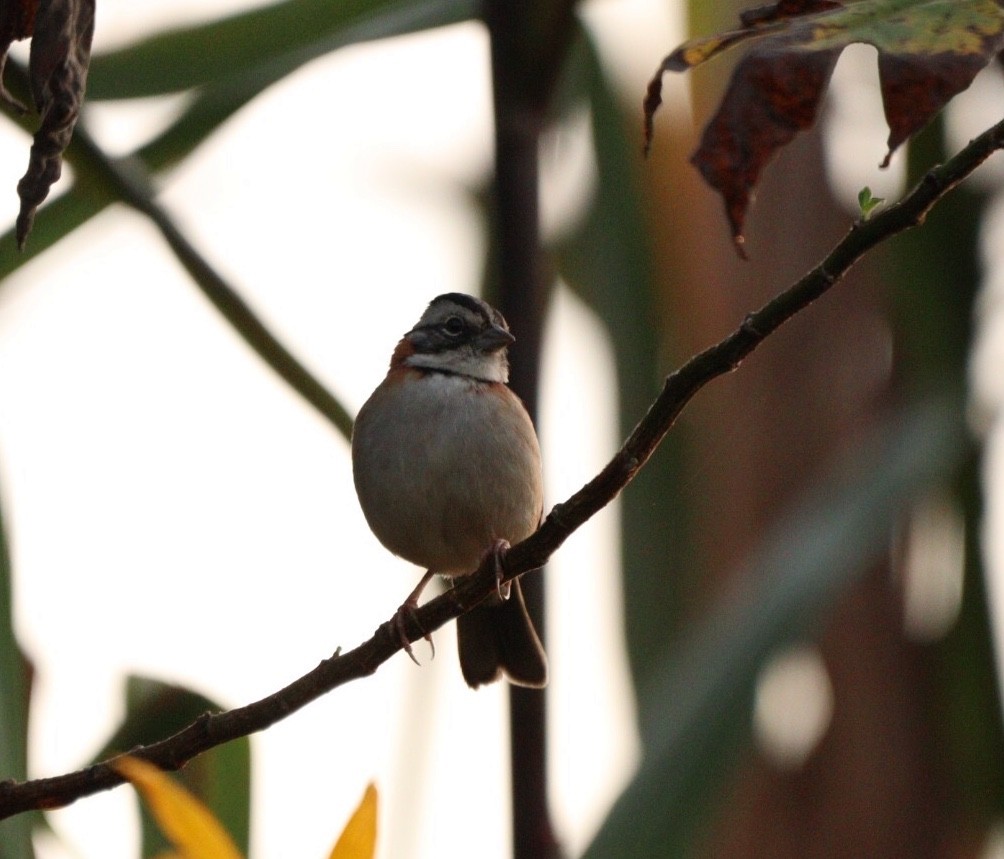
{"points": [[929, 51], [17, 19], [61, 32]]}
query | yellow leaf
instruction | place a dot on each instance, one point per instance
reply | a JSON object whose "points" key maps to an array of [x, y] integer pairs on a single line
{"points": [[185, 821], [358, 839]]}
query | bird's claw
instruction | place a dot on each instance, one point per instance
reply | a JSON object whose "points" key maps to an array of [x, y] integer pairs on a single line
{"points": [[400, 619], [498, 550], [407, 610]]}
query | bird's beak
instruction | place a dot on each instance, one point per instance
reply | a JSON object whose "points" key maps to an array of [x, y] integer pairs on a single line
{"points": [[494, 338]]}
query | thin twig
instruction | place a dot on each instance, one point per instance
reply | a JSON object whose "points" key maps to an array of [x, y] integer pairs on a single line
{"points": [[212, 730]]}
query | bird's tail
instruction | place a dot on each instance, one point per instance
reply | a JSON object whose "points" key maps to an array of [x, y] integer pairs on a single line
{"points": [[498, 638]]}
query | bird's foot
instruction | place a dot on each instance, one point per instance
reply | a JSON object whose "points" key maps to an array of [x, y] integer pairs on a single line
{"points": [[497, 552], [405, 612]]}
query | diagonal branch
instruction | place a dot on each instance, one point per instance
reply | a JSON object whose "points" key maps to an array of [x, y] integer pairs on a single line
{"points": [[212, 730]]}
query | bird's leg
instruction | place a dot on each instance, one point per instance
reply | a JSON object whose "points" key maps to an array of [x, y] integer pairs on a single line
{"points": [[408, 608], [497, 551]]}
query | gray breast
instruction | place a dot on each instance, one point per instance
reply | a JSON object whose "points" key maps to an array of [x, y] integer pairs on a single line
{"points": [[443, 469]]}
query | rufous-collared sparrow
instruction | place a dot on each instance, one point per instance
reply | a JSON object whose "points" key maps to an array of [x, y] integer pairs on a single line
{"points": [[447, 468]]}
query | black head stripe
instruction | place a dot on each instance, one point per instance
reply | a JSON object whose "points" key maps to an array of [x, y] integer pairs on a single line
{"points": [[430, 336], [469, 302]]}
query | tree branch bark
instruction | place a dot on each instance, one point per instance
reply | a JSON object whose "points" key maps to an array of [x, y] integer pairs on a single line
{"points": [[214, 729]]}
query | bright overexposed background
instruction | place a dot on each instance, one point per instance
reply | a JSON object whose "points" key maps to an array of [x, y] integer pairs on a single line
{"points": [[175, 511]]}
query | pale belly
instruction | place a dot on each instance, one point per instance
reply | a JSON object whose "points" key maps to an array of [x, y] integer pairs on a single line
{"points": [[458, 472]]}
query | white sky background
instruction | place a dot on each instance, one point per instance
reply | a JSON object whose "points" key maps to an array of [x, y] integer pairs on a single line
{"points": [[176, 511]]}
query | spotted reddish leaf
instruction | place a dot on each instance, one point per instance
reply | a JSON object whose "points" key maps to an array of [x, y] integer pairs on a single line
{"points": [[929, 51], [61, 32]]}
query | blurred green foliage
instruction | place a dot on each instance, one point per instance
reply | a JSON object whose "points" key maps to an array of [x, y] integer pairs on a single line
{"points": [[221, 778]]}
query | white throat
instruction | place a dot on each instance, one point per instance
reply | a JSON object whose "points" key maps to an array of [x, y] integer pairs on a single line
{"points": [[489, 367]]}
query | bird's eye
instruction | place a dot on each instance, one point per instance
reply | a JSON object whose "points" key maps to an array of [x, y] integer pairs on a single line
{"points": [[454, 326]]}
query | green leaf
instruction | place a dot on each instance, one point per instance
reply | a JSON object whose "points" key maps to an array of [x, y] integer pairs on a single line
{"points": [[137, 70], [288, 34], [221, 778], [970, 709], [935, 283], [15, 686], [702, 692], [963, 28], [62, 216], [867, 203]]}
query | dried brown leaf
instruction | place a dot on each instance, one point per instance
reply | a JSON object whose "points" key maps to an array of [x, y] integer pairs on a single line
{"points": [[61, 32], [17, 19], [929, 51]]}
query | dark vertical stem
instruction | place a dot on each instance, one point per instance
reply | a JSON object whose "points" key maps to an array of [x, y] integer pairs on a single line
{"points": [[522, 298]]}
